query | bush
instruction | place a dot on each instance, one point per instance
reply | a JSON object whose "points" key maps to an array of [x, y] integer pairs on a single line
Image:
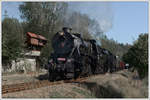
{"points": [[137, 55]]}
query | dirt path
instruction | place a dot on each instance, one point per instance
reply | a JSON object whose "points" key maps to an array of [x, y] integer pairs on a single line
{"points": [[21, 78]]}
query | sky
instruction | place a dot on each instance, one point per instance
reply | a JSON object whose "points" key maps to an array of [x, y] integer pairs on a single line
{"points": [[121, 21]]}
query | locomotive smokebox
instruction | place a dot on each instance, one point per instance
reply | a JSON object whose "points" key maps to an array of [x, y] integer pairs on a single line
{"points": [[65, 66]]}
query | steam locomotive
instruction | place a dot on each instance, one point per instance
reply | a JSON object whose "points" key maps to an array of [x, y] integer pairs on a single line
{"points": [[74, 56]]}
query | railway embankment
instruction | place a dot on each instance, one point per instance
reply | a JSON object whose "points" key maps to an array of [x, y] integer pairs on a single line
{"points": [[119, 84]]}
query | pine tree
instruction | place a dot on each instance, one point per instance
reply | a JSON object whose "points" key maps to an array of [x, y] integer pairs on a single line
{"points": [[137, 56]]}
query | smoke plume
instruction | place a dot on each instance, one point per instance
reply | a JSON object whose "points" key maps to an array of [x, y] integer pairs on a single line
{"points": [[101, 14], [100, 11]]}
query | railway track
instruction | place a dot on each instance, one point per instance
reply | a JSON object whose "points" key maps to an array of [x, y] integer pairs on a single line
{"points": [[34, 85]]}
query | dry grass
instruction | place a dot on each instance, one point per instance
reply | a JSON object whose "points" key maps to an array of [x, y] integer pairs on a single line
{"points": [[116, 85]]}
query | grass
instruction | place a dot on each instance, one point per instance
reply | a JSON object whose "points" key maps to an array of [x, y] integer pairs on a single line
{"points": [[85, 93], [9, 73], [73, 92], [56, 95]]}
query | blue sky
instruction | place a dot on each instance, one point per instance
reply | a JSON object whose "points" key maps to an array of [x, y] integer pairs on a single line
{"points": [[122, 21], [130, 20]]}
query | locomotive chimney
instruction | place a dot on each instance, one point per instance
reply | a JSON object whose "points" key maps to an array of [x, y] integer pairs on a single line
{"points": [[67, 29]]}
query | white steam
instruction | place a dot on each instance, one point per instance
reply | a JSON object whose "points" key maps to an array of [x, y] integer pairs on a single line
{"points": [[100, 11]]}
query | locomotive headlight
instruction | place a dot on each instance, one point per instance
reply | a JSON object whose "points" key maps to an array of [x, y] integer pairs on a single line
{"points": [[50, 61], [69, 60]]}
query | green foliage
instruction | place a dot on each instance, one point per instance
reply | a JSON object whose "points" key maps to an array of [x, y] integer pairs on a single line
{"points": [[137, 55], [12, 40]]}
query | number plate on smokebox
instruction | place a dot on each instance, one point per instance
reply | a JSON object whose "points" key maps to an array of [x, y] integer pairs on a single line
{"points": [[61, 59]]}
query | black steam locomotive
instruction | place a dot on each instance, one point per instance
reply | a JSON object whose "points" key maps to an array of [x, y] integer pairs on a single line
{"points": [[74, 56]]}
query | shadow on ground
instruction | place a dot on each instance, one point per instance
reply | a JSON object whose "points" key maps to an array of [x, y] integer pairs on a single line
{"points": [[46, 77], [42, 77], [101, 91]]}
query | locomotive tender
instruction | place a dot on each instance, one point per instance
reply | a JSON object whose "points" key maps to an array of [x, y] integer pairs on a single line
{"points": [[74, 56]]}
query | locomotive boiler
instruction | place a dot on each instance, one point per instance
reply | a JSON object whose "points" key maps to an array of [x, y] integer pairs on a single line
{"points": [[74, 56]]}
